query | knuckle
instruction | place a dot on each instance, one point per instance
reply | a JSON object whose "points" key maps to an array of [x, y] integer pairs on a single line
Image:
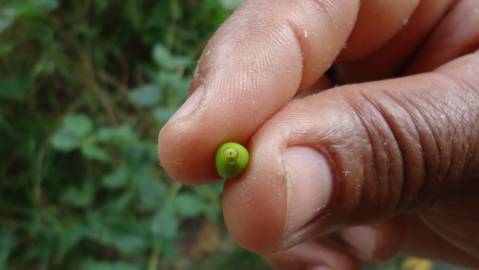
{"points": [[419, 148]]}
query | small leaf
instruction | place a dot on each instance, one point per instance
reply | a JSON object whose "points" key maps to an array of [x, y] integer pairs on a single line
{"points": [[230, 4], [65, 140], [117, 179], [188, 205], [46, 65], [160, 53], [165, 59], [128, 243], [74, 128], [127, 235], [122, 135], [177, 82], [165, 223], [72, 234], [79, 197], [32, 8], [45, 5], [94, 152], [162, 115], [5, 24], [79, 124], [121, 204], [150, 192], [136, 155], [146, 96]]}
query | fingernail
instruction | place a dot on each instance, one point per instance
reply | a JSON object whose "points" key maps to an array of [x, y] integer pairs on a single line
{"points": [[362, 240], [190, 105], [310, 184]]}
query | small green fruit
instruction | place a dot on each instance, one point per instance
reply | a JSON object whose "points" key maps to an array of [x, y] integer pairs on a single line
{"points": [[231, 160]]}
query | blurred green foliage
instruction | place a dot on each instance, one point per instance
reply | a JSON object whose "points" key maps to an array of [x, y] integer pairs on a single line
{"points": [[85, 87]]}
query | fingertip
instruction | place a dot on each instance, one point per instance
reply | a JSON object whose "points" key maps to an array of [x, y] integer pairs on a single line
{"points": [[186, 157], [250, 69]]}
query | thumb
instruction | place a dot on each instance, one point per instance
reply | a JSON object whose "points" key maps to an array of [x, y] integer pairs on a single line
{"points": [[358, 154]]}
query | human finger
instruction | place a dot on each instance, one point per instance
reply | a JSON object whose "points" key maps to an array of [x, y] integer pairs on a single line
{"points": [[357, 154], [457, 35], [255, 64], [394, 56]]}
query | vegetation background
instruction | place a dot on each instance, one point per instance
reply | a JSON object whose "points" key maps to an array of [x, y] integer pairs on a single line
{"points": [[85, 87]]}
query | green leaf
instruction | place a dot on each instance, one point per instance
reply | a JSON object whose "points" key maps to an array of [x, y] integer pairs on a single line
{"points": [[137, 155], [65, 140], [121, 204], [79, 124], [79, 197], [125, 234], [230, 4], [42, 6], [146, 96], [49, 4], [211, 196], [165, 59], [71, 236], [45, 65], [118, 179], [176, 82], [31, 8], [164, 223], [189, 206], [5, 23], [162, 115], [160, 53], [150, 192], [94, 152], [123, 135], [74, 128], [71, 61], [127, 242], [7, 17]]}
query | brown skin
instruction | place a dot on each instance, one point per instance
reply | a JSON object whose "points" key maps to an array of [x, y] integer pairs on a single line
{"points": [[403, 151]]}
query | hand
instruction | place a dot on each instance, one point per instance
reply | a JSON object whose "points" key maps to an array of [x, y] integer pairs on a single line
{"points": [[356, 171]]}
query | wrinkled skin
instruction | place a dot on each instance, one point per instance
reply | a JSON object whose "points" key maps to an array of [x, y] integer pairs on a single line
{"points": [[361, 118]]}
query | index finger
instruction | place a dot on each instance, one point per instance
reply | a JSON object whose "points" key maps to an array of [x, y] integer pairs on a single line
{"points": [[252, 67]]}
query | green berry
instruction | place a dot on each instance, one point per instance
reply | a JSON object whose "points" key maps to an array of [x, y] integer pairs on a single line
{"points": [[231, 160]]}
